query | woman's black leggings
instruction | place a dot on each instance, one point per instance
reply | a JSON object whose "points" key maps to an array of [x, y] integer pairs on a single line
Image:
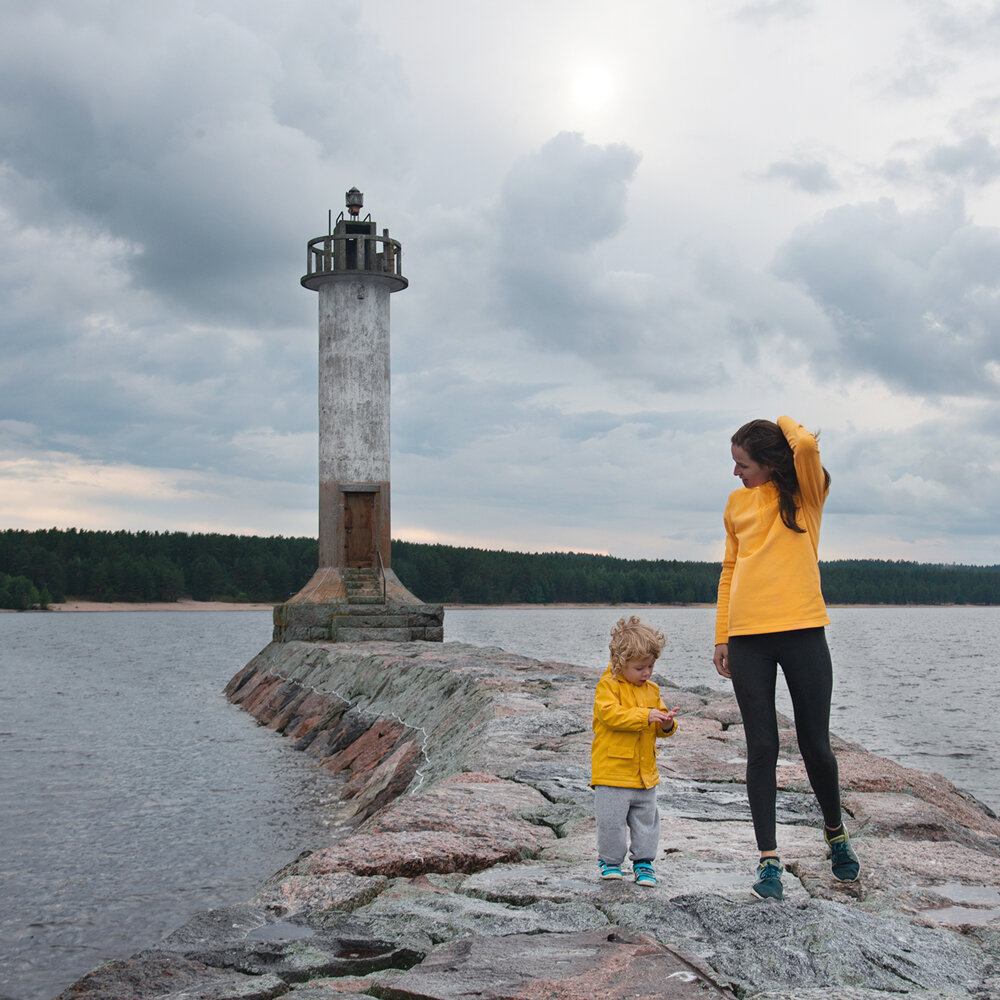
{"points": [[805, 661]]}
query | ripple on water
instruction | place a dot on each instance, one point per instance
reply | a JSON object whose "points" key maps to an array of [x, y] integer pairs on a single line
{"points": [[137, 795], [129, 780]]}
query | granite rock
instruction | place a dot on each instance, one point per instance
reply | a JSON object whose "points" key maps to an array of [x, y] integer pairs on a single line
{"points": [[255, 942], [288, 894], [153, 974], [610, 964], [469, 868]]}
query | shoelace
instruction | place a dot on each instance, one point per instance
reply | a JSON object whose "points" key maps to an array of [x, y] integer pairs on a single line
{"points": [[769, 869], [839, 848]]}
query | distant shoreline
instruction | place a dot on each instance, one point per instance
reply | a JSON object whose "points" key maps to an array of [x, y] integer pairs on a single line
{"points": [[188, 605], [158, 606]]}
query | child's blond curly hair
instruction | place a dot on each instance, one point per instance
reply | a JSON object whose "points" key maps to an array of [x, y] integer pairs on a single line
{"points": [[631, 639]]}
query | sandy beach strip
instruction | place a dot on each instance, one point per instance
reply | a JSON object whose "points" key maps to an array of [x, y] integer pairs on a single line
{"points": [[185, 605]]}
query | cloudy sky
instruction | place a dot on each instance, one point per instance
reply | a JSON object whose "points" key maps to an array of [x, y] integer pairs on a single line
{"points": [[627, 228]]}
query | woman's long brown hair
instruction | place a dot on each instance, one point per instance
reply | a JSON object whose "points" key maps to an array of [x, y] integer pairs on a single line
{"points": [[763, 441]]}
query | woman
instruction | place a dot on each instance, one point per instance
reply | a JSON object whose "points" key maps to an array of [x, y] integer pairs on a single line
{"points": [[770, 612]]}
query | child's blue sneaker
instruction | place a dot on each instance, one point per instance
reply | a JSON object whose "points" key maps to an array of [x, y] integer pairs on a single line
{"points": [[610, 871], [643, 873]]}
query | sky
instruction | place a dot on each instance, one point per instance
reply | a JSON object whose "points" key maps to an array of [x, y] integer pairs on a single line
{"points": [[627, 230]]}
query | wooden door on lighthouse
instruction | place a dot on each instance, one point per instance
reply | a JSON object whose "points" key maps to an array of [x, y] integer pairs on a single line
{"points": [[359, 529]]}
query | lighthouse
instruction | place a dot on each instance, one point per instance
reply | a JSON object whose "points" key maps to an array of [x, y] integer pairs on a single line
{"points": [[354, 595]]}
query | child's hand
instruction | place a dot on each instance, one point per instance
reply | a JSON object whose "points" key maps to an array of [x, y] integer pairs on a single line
{"points": [[665, 719]]}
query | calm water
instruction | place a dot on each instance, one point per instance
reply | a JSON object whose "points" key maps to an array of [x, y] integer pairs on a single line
{"points": [[919, 685], [134, 795]]}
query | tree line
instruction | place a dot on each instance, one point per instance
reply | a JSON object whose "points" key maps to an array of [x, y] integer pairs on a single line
{"points": [[148, 566], [452, 575], [54, 565]]}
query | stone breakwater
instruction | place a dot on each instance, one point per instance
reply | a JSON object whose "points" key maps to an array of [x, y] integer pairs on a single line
{"points": [[468, 868]]}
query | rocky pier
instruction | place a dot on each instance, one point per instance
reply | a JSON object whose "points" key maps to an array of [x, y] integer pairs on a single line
{"points": [[468, 869]]}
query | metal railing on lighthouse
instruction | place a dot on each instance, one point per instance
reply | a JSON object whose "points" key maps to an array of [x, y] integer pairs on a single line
{"points": [[338, 252]]}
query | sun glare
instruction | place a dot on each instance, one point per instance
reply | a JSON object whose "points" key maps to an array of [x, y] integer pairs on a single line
{"points": [[591, 88]]}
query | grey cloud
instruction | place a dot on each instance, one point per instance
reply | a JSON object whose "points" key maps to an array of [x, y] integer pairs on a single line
{"points": [[806, 173], [969, 27], [560, 282], [633, 315], [541, 270], [975, 159], [160, 170], [194, 152], [99, 367], [568, 196], [984, 112], [557, 206], [939, 46], [918, 81], [339, 88], [761, 14], [896, 170], [103, 405], [941, 475], [632, 467], [446, 244], [911, 296], [425, 406]]}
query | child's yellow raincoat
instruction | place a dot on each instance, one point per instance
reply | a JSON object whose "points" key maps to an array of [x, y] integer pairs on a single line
{"points": [[623, 753]]}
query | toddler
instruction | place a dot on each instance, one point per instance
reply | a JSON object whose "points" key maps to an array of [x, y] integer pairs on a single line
{"points": [[629, 716]]}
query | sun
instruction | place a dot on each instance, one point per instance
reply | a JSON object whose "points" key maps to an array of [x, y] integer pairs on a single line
{"points": [[591, 87]]}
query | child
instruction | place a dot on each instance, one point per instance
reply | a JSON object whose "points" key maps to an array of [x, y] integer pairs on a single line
{"points": [[628, 718]]}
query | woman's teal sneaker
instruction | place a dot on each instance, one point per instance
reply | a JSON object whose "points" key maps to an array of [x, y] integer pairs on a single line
{"points": [[843, 860], [768, 884], [610, 871]]}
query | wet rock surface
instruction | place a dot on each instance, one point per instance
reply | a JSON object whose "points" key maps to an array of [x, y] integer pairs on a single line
{"points": [[469, 869]]}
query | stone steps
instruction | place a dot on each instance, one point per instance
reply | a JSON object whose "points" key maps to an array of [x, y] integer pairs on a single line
{"points": [[368, 616], [370, 620], [363, 586], [359, 620], [351, 633]]}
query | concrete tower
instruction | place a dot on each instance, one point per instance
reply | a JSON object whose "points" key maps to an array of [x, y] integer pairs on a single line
{"points": [[354, 594]]}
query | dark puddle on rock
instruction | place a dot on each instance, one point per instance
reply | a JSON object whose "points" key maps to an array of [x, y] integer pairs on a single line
{"points": [[280, 931]]}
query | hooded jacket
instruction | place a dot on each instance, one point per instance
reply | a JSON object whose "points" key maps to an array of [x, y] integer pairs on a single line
{"points": [[623, 752]]}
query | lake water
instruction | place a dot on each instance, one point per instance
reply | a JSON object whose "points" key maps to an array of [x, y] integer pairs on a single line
{"points": [[134, 795], [919, 685]]}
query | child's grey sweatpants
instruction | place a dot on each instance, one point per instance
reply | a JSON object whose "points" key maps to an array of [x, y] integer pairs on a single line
{"points": [[623, 815]]}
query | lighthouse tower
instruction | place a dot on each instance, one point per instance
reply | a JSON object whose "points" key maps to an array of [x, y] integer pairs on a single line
{"points": [[354, 594]]}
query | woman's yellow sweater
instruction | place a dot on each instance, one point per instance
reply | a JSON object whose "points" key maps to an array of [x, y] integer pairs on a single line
{"points": [[770, 574]]}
